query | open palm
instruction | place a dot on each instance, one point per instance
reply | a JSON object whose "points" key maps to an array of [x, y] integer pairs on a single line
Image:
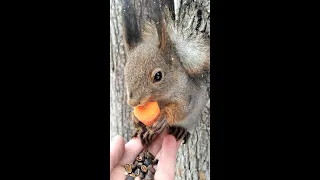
{"points": [[164, 147]]}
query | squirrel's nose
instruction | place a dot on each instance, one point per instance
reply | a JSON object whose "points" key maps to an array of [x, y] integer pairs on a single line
{"points": [[133, 102]]}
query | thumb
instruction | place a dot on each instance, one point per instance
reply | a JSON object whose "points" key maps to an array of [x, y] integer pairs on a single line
{"points": [[167, 159], [116, 151]]}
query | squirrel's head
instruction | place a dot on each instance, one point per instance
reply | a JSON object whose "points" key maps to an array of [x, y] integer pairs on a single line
{"points": [[149, 75], [152, 69]]}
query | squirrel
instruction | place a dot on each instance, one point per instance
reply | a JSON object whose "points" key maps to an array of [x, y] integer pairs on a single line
{"points": [[164, 65]]}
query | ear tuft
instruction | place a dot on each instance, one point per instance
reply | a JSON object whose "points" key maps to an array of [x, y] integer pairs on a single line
{"points": [[131, 31], [156, 16]]}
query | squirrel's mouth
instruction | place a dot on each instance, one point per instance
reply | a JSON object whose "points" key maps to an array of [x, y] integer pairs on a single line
{"points": [[145, 100]]}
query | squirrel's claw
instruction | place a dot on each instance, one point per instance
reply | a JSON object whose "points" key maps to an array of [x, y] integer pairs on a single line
{"points": [[136, 132], [179, 133], [153, 131]]}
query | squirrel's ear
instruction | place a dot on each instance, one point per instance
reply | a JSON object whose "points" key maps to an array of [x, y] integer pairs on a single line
{"points": [[170, 5], [156, 16], [162, 35], [131, 31]]}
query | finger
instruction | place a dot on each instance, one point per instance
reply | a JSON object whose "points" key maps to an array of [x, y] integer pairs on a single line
{"points": [[116, 151], [132, 149], [117, 173], [167, 159], [156, 145], [177, 147], [159, 153]]}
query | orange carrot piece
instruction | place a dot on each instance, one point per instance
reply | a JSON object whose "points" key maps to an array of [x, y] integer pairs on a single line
{"points": [[148, 113]]}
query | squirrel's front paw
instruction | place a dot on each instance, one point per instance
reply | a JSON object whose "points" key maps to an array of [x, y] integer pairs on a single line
{"points": [[179, 133], [147, 134], [139, 130], [153, 131]]}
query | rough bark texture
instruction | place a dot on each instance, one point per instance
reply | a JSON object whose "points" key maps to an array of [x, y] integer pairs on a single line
{"points": [[193, 159]]}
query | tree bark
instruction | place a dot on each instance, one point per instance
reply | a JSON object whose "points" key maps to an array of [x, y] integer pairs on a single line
{"points": [[193, 158]]}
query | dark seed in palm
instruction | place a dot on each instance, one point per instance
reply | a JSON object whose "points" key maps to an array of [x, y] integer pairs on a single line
{"points": [[137, 172], [151, 169], [142, 175], [139, 164], [147, 161], [139, 158], [144, 168], [148, 154], [134, 165], [149, 176], [154, 162], [128, 168], [129, 178]]}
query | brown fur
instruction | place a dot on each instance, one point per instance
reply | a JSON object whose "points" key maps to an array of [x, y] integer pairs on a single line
{"points": [[179, 96], [174, 113]]}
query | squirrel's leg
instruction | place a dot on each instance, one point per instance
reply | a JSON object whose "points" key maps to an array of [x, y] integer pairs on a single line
{"points": [[156, 128], [147, 134]]}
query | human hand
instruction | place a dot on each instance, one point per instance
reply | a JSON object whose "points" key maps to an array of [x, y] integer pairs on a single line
{"points": [[164, 147]]}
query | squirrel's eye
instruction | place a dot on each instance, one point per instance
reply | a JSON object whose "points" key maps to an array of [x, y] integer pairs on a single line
{"points": [[157, 76]]}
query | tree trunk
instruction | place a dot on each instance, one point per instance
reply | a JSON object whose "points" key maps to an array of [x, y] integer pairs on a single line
{"points": [[193, 159]]}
